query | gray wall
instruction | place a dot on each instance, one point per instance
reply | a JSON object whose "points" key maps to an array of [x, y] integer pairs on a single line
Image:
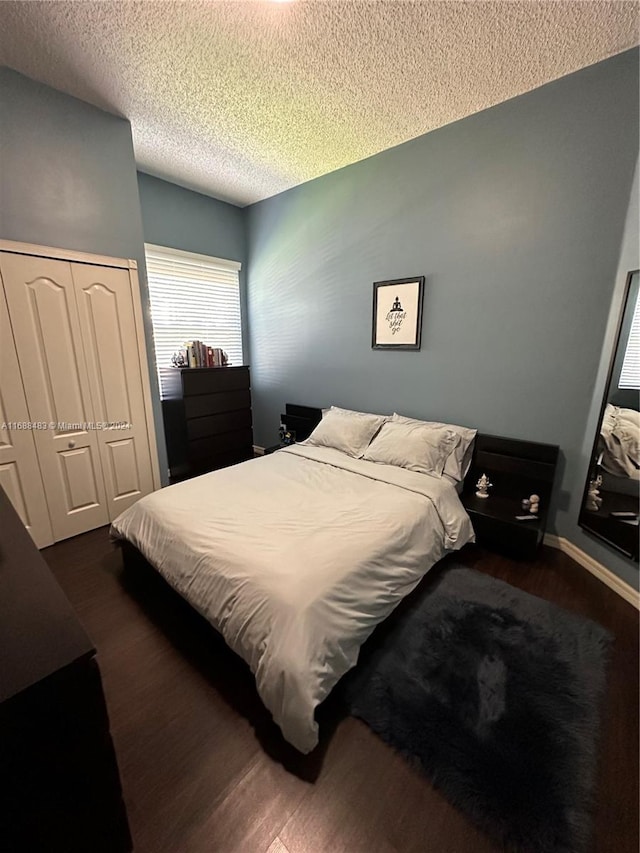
{"points": [[183, 219], [515, 215], [68, 179]]}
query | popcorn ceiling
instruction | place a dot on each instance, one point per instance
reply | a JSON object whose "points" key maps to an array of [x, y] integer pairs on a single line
{"points": [[241, 100]]}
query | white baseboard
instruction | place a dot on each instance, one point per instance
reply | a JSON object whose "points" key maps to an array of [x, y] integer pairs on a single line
{"points": [[597, 569], [259, 451]]}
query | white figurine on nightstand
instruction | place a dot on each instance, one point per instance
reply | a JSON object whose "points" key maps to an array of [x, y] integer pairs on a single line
{"points": [[483, 485], [534, 504], [594, 501]]}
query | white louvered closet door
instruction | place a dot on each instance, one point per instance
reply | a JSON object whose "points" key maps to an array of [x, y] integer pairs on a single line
{"points": [[107, 323], [19, 469], [44, 317]]}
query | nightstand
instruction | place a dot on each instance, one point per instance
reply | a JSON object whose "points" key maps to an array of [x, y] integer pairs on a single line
{"points": [[517, 470]]}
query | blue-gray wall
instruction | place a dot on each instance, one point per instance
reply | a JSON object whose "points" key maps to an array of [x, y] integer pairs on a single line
{"points": [[183, 219], [68, 180], [515, 215]]}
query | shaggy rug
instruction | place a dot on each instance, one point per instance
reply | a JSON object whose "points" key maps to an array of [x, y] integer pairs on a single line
{"points": [[495, 694]]}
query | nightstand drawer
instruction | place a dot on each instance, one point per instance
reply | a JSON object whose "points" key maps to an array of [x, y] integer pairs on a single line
{"points": [[516, 539]]}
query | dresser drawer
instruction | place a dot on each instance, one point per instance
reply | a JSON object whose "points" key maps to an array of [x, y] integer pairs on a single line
{"points": [[203, 448], [217, 424], [213, 380], [214, 404]]}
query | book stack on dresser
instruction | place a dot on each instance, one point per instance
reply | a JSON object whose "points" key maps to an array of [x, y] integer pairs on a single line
{"points": [[207, 418]]}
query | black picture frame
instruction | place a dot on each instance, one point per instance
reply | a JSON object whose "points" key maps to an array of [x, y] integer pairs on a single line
{"points": [[388, 294]]}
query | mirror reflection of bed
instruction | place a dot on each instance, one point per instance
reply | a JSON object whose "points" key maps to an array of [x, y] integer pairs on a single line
{"points": [[611, 501]]}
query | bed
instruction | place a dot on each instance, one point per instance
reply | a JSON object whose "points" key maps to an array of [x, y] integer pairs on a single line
{"points": [[295, 557]]}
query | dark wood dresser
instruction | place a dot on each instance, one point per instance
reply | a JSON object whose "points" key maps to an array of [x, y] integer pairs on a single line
{"points": [[60, 787], [207, 418]]}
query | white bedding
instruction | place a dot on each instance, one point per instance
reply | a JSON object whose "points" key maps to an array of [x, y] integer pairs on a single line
{"points": [[295, 558], [620, 433]]}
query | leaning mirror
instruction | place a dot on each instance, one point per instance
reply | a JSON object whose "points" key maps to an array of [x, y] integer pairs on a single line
{"points": [[611, 500]]}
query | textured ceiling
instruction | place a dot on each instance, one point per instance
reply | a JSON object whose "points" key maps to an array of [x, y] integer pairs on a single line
{"points": [[242, 100]]}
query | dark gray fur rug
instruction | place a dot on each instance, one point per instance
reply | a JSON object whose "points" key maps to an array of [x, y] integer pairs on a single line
{"points": [[496, 695]]}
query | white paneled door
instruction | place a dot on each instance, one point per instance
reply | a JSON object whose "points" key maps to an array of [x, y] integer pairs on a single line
{"points": [[44, 316], [19, 469], [107, 322]]}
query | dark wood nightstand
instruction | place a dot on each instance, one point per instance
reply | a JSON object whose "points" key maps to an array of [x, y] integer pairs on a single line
{"points": [[300, 421], [517, 470]]}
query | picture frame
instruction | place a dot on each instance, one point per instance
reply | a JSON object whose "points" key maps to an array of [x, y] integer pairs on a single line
{"points": [[397, 313]]}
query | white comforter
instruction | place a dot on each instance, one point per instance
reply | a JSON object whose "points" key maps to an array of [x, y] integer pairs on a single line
{"points": [[620, 433], [295, 558]]}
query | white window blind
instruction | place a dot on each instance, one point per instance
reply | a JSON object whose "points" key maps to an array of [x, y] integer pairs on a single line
{"points": [[193, 297], [630, 373]]}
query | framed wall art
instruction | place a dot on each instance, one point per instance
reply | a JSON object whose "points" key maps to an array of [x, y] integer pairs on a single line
{"points": [[397, 313]]}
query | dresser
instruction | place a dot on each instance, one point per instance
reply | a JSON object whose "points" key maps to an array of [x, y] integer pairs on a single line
{"points": [[207, 418], [58, 773]]}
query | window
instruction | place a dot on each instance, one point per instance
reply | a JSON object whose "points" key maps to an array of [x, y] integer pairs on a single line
{"points": [[630, 373], [193, 297]]}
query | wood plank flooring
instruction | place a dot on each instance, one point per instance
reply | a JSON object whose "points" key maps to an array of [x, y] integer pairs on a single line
{"points": [[204, 769]]}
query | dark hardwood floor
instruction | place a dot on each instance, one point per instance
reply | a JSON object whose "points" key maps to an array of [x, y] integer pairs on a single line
{"points": [[204, 769]]}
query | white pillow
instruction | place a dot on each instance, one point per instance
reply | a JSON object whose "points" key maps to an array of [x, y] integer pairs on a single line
{"points": [[413, 446], [458, 463], [345, 430]]}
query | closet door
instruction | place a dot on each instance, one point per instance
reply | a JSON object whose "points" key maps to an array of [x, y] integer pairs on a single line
{"points": [[42, 308], [107, 322], [19, 470]]}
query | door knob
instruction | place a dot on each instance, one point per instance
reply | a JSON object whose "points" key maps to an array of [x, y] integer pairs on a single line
{"points": [[72, 444]]}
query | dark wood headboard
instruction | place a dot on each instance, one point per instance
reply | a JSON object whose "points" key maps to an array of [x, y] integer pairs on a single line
{"points": [[528, 458], [301, 419]]}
